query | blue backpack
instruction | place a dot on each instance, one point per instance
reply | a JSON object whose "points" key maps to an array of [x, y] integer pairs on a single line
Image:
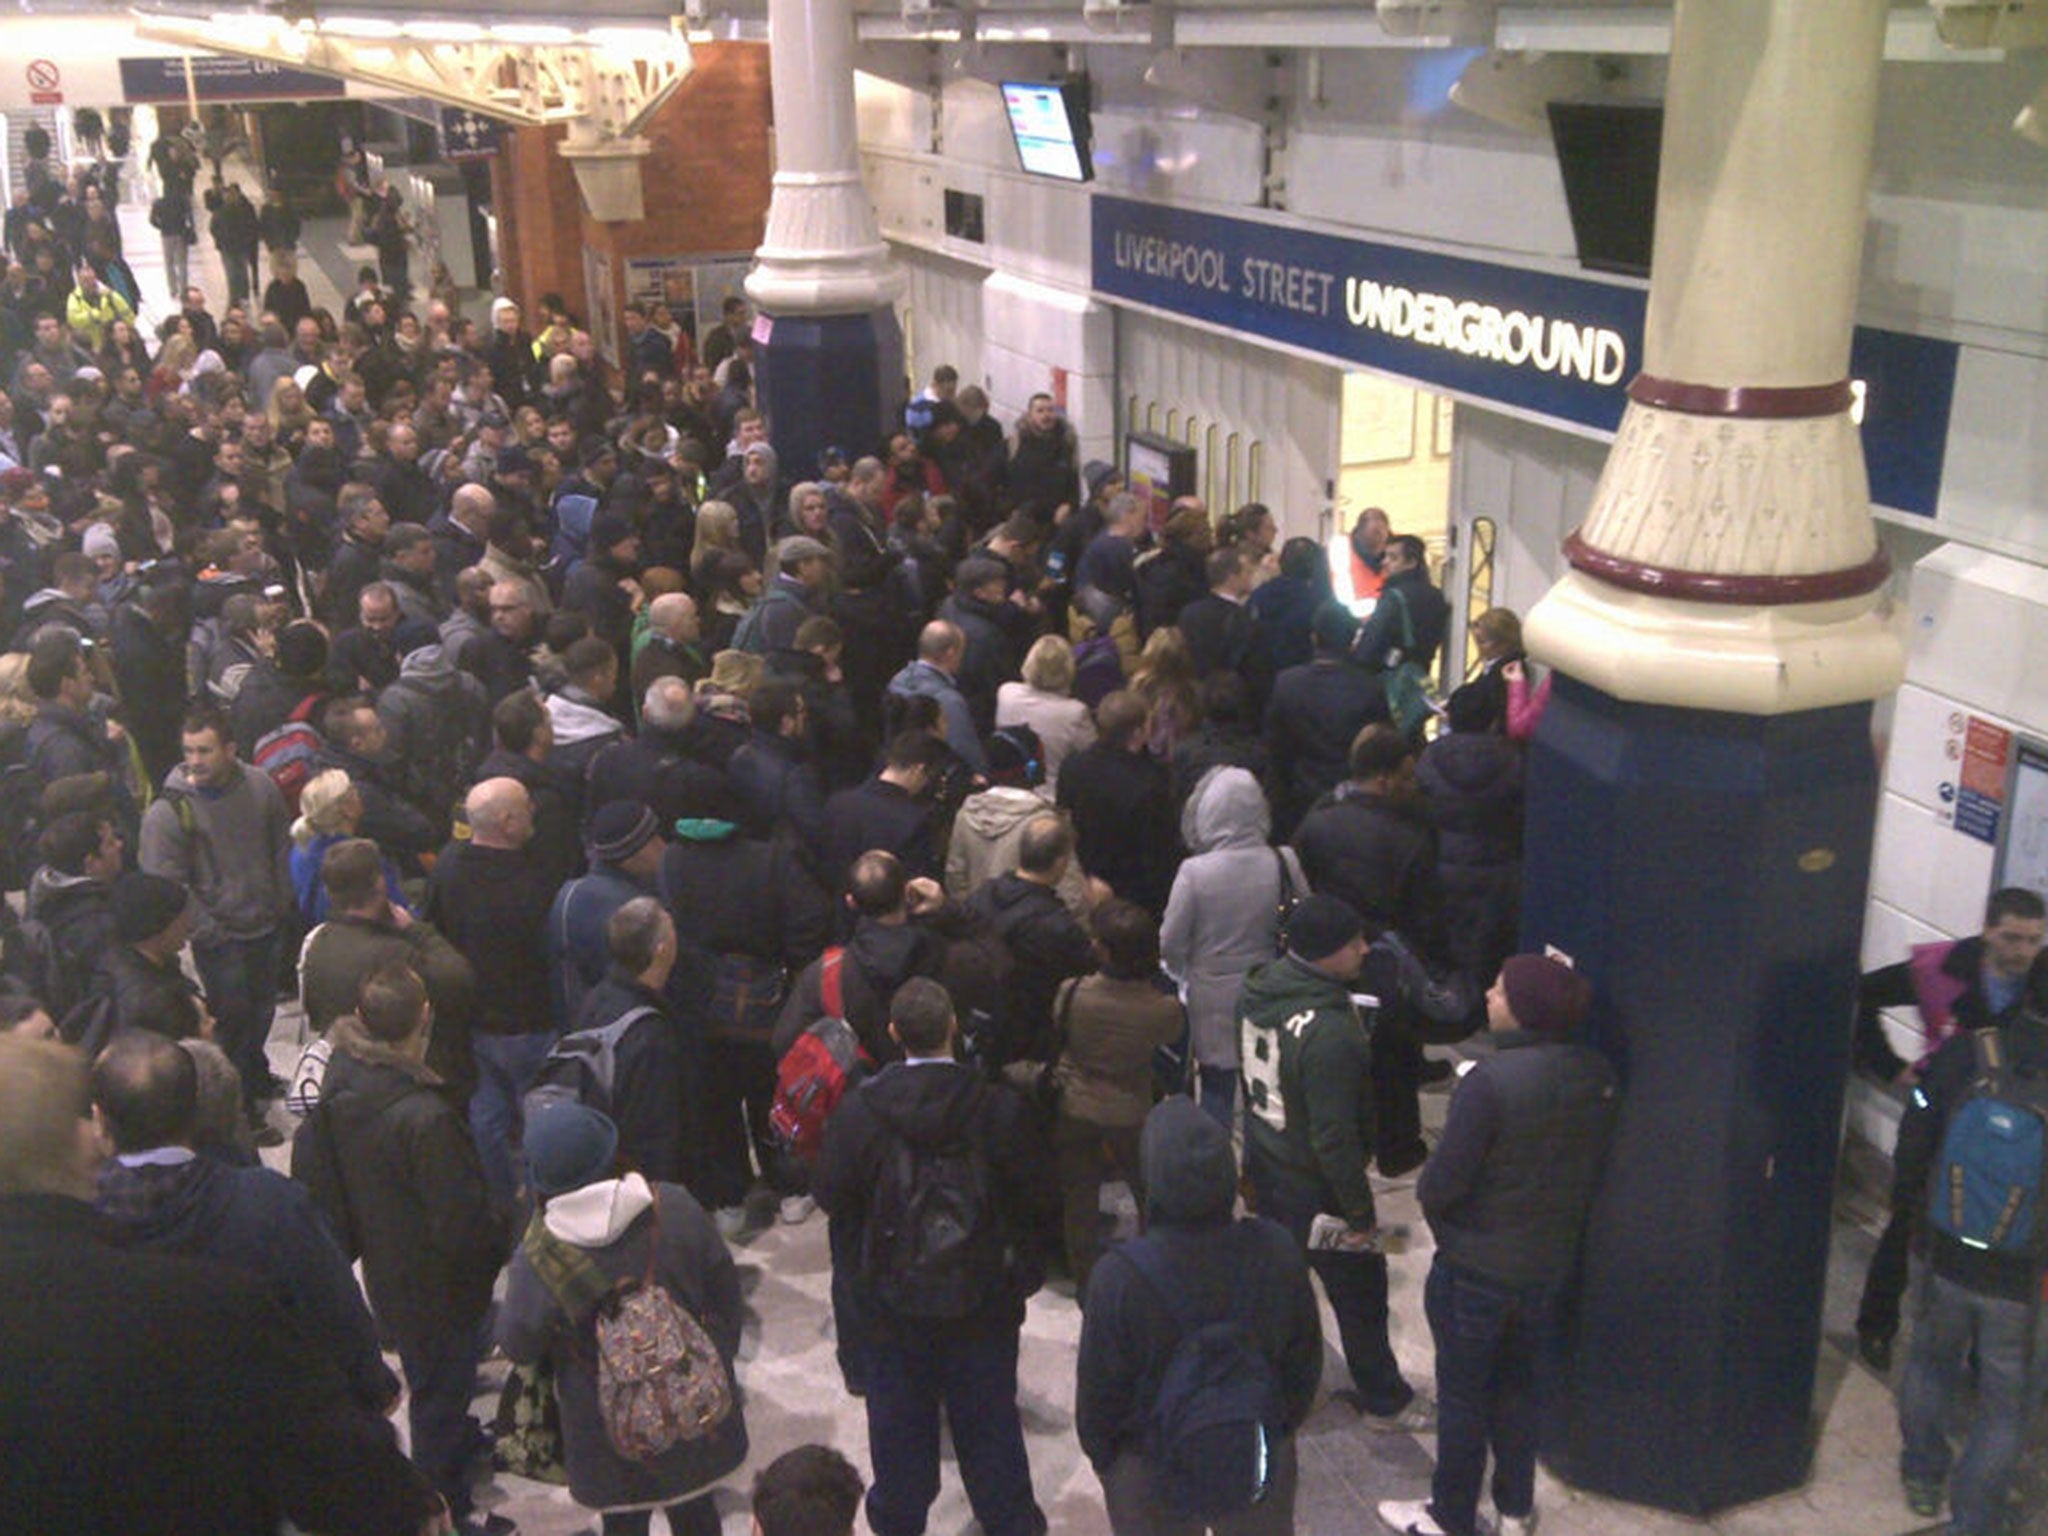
{"points": [[1217, 1419], [1987, 1186]]}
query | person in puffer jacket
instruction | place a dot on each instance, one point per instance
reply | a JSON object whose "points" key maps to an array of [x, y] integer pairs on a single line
{"points": [[1473, 780]]}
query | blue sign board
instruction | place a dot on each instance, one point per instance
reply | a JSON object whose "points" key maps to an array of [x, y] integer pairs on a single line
{"points": [[1558, 346], [218, 77]]}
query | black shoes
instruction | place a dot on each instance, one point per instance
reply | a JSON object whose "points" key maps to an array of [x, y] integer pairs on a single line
{"points": [[1876, 1350]]}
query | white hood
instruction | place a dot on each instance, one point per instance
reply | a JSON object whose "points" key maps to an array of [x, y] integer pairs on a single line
{"points": [[597, 1215]]}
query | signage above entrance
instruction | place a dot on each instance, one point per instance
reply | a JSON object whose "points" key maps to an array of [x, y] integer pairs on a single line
{"points": [[1562, 347]]}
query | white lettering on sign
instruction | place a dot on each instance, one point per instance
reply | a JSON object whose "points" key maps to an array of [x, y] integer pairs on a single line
{"points": [[1181, 261], [1520, 340]]}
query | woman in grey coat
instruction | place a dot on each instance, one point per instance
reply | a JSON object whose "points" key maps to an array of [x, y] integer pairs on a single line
{"points": [[612, 1222], [1223, 918]]}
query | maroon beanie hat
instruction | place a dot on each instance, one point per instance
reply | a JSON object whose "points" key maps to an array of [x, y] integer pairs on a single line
{"points": [[1545, 995]]}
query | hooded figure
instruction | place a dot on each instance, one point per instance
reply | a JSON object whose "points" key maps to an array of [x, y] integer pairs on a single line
{"points": [[1213, 1268], [1223, 916], [439, 722]]}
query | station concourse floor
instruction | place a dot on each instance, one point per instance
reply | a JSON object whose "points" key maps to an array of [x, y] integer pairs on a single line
{"points": [[794, 1396], [791, 1379]]}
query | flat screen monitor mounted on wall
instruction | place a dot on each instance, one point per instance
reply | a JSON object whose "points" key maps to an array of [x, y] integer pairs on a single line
{"points": [[1607, 152], [1050, 124]]}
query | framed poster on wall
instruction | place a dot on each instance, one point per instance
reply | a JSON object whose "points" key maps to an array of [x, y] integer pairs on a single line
{"points": [[1157, 469]]}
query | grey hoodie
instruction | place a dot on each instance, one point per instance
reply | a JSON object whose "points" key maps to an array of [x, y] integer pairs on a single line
{"points": [[1223, 914], [232, 847], [985, 838]]}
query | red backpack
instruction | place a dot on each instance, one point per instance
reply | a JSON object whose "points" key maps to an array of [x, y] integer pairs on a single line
{"points": [[287, 753], [818, 1069]]}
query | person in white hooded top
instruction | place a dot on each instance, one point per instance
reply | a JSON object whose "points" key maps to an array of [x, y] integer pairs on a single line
{"points": [[1223, 918], [599, 1225]]}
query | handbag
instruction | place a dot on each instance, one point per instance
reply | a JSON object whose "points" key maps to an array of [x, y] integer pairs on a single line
{"points": [[746, 997], [528, 1426]]}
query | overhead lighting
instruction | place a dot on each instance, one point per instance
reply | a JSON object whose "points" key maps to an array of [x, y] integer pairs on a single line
{"points": [[536, 35], [248, 27], [444, 31], [2032, 123], [372, 27]]}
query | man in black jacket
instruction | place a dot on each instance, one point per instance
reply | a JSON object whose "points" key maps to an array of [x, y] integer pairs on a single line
{"points": [[663, 767], [158, 1395], [1120, 798], [394, 1168], [490, 896], [1317, 711], [653, 1081], [888, 812], [947, 1308], [1215, 1268], [1506, 1195], [139, 983], [1220, 630], [162, 1194], [1045, 943], [1411, 617]]}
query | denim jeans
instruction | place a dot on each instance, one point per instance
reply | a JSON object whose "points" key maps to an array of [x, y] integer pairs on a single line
{"points": [[505, 1066], [1946, 1319], [973, 1377], [1493, 1345], [1356, 1284], [240, 977]]}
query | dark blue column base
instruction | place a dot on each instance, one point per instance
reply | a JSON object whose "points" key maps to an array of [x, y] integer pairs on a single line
{"points": [[1707, 872], [830, 381]]}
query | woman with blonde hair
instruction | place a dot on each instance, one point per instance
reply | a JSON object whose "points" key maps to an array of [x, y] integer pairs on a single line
{"points": [[330, 811], [1165, 679], [718, 529], [1045, 701], [289, 414]]}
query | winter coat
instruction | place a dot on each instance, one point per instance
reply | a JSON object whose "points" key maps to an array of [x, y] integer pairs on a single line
{"points": [[1474, 784], [1121, 803], [665, 772], [557, 843], [259, 1222], [438, 720], [582, 729], [231, 847], [78, 912], [991, 657], [615, 1222], [1063, 725], [492, 903], [922, 679], [1046, 945], [144, 995], [1250, 1270], [778, 788], [577, 953], [1316, 712], [1111, 1027], [648, 1075], [339, 953], [418, 1209], [1307, 1081], [390, 820], [931, 1105], [738, 895], [879, 958], [878, 814], [162, 1397], [1378, 853], [985, 839], [62, 742], [773, 622], [1223, 917], [310, 890]]}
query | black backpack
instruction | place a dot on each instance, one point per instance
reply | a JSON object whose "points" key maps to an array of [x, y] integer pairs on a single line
{"points": [[582, 1066], [1210, 1438], [930, 1230]]}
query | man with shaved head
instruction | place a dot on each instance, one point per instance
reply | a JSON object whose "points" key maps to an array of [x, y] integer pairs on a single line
{"points": [[941, 648], [672, 647], [490, 897]]}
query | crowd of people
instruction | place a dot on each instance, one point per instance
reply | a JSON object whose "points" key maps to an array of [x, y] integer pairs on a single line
{"points": [[664, 840]]}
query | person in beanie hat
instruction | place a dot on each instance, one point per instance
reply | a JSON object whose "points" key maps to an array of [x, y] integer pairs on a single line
{"points": [[598, 1227], [138, 982], [625, 846], [1506, 1193], [1306, 1057]]}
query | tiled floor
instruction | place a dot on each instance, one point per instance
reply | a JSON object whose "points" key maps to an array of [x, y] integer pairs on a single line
{"points": [[794, 1396]]}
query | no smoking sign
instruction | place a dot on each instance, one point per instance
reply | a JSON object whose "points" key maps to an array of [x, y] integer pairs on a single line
{"points": [[45, 84]]}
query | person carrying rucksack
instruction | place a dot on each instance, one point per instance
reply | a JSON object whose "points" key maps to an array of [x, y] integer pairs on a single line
{"points": [[942, 1175], [1970, 1164], [606, 1258], [1201, 1348]]}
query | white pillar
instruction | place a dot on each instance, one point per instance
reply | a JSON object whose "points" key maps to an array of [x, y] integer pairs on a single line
{"points": [[1729, 560], [821, 252]]}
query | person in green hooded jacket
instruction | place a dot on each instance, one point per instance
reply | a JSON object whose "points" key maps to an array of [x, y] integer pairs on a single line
{"points": [[1306, 1052]]}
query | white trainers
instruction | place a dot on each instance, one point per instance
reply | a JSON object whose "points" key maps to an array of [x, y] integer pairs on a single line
{"points": [[1418, 1418], [731, 1221], [1517, 1525], [1409, 1517], [796, 1209]]}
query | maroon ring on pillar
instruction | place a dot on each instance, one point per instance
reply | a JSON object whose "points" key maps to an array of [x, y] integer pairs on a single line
{"points": [[1757, 403], [1754, 591]]}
